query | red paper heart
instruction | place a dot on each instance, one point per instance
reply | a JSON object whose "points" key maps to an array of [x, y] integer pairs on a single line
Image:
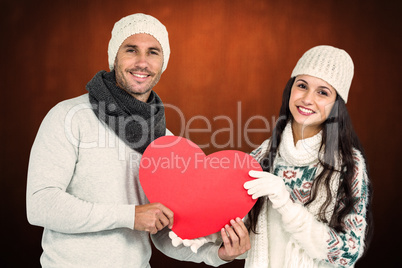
{"points": [[204, 192]]}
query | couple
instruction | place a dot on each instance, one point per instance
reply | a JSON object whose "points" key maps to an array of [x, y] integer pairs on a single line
{"points": [[313, 195]]}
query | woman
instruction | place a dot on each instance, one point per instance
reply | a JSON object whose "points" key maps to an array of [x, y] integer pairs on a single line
{"points": [[313, 207]]}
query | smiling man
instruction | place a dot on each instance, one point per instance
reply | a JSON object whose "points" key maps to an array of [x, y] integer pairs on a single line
{"points": [[83, 186], [138, 65]]}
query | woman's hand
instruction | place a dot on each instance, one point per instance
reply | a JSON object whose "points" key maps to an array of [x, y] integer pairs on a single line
{"points": [[236, 240], [194, 244], [267, 184]]}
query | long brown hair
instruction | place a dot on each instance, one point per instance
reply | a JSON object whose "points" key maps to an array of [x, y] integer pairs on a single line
{"points": [[339, 140]]}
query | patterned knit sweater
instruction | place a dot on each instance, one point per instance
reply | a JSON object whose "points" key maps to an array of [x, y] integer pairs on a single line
{"points": [[292, 236]]}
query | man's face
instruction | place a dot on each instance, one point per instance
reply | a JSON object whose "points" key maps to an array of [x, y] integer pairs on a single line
{"points": [[138, 65]]}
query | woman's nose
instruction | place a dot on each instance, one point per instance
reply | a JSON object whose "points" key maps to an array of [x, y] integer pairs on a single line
{"points": [[308, 97]]}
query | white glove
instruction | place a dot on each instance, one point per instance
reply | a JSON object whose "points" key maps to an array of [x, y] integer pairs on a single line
{"points": [[267, 184], [194, 244]]}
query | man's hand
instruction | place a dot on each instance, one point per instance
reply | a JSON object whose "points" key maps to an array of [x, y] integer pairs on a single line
{"points": [[236, 240], [152, 218]]}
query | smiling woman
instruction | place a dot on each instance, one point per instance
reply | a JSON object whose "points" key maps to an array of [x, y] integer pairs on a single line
{"points": [[311, 101], [315, 185]]}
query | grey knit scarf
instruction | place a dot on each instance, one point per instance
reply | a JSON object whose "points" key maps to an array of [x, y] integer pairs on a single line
{"points": [[135, 122]]}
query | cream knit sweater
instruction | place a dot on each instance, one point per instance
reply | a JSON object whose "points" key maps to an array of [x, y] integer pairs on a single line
{"points": [[291, 236], [83, 188]]}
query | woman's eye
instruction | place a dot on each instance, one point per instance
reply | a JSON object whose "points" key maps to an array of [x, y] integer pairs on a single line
{"points": [[302, 86], [323, 92]]}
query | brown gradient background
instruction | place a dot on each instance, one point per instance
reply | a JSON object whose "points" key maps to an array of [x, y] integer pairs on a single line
{"points": [[223, 54]]}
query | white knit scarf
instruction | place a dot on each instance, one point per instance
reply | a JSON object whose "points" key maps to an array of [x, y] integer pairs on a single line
{"points": [[304, 153]]}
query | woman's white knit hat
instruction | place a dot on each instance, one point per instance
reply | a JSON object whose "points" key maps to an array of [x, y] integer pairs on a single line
{"points": [[333, 65], [134, 24]]}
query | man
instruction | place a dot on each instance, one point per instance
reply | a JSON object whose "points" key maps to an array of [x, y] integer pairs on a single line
{"points": [[83, 185]]}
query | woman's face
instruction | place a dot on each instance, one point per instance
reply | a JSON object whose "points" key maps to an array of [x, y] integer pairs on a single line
{"points": [[311, 101]]}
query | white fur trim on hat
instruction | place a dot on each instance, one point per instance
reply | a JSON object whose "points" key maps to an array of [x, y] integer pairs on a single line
{"points": [[333, 65], [134, 24]]}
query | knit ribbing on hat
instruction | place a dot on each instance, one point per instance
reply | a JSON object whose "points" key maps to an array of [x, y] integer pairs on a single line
{"points": [[135, 24], [333, 65]]}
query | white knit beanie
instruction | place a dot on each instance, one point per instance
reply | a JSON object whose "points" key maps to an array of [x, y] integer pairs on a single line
{"points": [[333, 65], [134, 24]]}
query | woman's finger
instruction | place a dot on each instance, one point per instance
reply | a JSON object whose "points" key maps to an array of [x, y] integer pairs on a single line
{"points": [[257, 174]]}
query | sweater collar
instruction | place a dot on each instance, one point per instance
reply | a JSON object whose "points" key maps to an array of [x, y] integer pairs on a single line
{"points": [[305, 152]]}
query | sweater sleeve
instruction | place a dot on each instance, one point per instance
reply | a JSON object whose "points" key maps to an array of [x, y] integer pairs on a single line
{"points": [[208, 253], [51, 169], [324, 243], [259, 153]]}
